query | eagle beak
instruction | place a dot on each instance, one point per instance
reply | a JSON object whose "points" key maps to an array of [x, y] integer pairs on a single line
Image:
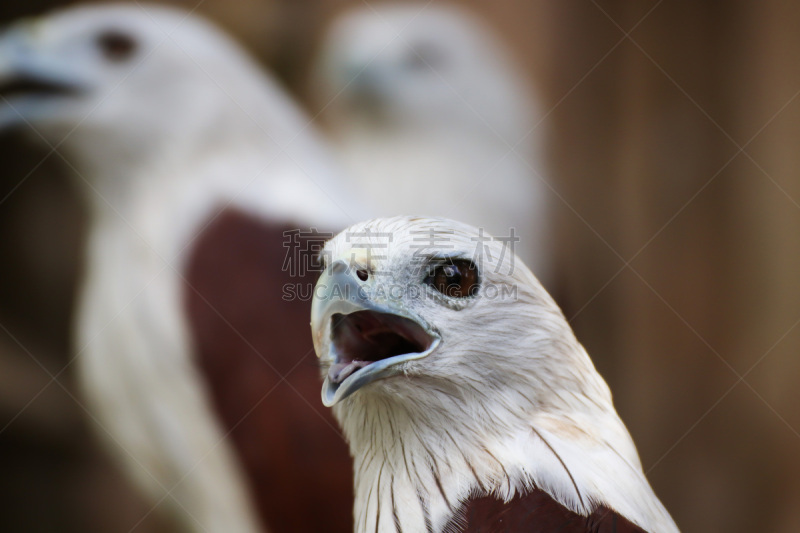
{"points": [[30, 76], [361, 340]]}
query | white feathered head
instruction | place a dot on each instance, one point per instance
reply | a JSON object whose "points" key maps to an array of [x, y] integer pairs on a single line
{"points": [[148, 78], [449, 366], [445, 308], [419, 64]]}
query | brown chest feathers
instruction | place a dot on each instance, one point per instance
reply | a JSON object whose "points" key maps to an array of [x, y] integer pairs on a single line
{"points": [[252, 343], [535, 512]]}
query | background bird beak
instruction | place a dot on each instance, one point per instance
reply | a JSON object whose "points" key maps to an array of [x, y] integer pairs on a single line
{"points": [[29, 75], [338, 293], [367, 85]]}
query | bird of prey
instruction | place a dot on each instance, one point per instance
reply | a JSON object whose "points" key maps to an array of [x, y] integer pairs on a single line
{"points": [[208, 195], [431, 116], [466, 399]]}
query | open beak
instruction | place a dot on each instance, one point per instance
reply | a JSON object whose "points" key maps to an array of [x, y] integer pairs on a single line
{"points": [[358, 339], [30, 76]]}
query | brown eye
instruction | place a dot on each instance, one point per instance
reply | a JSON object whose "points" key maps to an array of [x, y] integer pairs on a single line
{"points": [[457, 279], [116, 46]]}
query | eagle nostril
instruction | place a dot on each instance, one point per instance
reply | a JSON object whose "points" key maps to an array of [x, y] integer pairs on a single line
{"points": [[339, 267]]}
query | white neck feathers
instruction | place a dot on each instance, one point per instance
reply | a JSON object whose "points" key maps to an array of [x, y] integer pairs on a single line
{"points": [[417, 459]]}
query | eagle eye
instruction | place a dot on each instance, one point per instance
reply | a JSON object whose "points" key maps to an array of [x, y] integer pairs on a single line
{"points": [[457, 278], [115, 45]]}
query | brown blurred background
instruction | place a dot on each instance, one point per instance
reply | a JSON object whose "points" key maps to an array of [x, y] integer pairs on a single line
{"points": [[673, 133]]}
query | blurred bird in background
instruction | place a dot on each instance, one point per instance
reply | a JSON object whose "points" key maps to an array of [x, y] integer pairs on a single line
{"points": [[468, 403], [191, 336], [431, 116]]}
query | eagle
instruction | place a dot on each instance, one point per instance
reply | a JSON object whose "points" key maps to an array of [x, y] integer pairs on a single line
{"points": [[426, 97], [467, 401], [209, 196]]}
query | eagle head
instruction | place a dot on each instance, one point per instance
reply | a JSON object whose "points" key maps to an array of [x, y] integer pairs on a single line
{"points": [[454, 374], [409, 304]]}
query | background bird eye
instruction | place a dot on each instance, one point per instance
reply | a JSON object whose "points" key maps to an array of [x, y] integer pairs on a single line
{"points": [[424, 56], [116, 46], [458, 279]]}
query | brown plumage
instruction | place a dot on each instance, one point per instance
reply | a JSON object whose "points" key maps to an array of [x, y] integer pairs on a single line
{"points": [[251, 341], [535, 512]]}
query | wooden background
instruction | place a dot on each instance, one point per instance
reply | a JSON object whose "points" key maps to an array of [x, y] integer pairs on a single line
{"points": [[673, 135]]}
